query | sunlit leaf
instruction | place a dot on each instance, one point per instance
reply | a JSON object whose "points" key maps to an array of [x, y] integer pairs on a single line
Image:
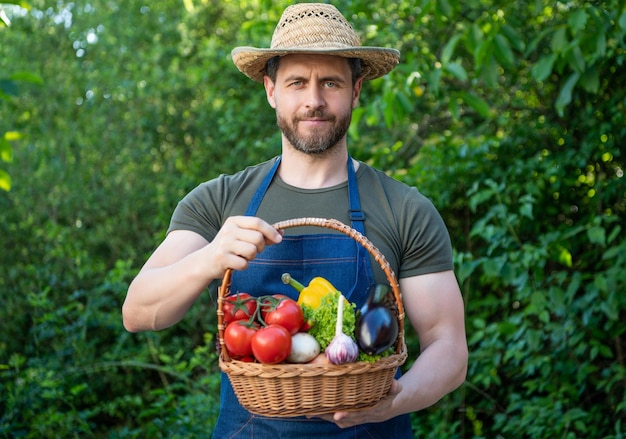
{"points": [[6, 152], [24, 76], [565, 257], [12, 136], [5, 181]]}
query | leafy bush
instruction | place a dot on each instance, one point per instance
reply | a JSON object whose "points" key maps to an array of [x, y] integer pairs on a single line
{"points": [[510, 117]]}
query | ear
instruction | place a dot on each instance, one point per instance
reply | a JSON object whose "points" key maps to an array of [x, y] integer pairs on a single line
{"points": [[269, 90], [356, 92]]}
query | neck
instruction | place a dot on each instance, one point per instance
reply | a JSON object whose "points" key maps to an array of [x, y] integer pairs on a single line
{"points": [[310, 171]]}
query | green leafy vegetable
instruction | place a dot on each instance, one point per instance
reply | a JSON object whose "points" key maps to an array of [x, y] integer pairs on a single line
{"points": [[324, 318]]}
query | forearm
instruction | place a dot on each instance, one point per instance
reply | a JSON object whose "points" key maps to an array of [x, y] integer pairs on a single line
{"points": [[439, 370], [160, 296]]}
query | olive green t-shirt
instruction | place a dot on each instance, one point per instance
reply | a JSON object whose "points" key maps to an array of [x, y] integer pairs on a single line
{"points": [[401, 222]]}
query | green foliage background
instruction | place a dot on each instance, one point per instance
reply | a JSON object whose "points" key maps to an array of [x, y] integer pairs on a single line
{"points": [[509, 115]]}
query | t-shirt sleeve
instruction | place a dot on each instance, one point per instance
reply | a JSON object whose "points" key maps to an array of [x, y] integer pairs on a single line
{"points": [[426, 242], [198, 211]]}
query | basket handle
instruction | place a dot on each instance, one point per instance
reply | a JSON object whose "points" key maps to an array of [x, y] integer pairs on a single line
{"points": [[334, 224]]}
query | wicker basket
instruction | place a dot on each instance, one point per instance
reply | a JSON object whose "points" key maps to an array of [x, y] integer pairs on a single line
{"points": [[286, 390]]}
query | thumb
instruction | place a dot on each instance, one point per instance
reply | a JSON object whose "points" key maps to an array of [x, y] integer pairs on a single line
{"points": [[395, 388]]}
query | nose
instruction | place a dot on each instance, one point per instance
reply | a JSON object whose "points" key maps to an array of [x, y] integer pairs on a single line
{"points": [[315, 97]]}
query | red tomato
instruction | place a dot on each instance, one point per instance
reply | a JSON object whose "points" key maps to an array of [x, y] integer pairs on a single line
{"points": [[238, 338], [268, 303], [271, 345], [287, 313], [240, 306]]}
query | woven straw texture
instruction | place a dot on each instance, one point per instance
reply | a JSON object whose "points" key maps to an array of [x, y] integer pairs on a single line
{"points": [[316, 28], [287, 390]]}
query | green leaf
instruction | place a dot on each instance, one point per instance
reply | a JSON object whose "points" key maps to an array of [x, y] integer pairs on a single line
{"points": [[444, 7], [473, 38], [597, 235], [6, 152], [457, 71], [565, 95], [590, 80], [503, 52], [600, 38], [27, 77], [542, 69], [434, 81], [526, 210], [622, 20], [478, 104], [559, 41], [576, 59], [489, 73], [565, 257], [466, 268], [405, 103], [483, 51], [357, 115], [448, 49], [5, 181], [514, 38], [577, 20]]}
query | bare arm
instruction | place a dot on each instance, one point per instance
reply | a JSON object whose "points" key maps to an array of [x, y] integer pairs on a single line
{"points": [[434, 307], [184, 264]]}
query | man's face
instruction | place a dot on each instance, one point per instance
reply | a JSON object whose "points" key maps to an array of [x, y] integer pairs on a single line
{"points": [[313, 97]]}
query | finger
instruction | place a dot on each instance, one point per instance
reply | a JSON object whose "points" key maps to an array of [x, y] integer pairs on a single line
{"points": [[270, 234]]}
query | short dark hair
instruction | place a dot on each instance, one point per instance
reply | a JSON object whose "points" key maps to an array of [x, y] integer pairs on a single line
{"points": [[356, 66]]}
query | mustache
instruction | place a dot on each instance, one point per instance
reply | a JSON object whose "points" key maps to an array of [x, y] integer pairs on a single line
{"points": [[314, 114]]}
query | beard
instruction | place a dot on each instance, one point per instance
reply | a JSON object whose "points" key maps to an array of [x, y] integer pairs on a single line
{"points": [[317, 142]]}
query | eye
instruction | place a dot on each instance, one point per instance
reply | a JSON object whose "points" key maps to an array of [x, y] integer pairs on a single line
{"points": [[330, 84]]}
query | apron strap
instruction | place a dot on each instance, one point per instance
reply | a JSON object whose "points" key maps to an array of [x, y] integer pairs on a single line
{"points": [[254, 204], [356, 214]]}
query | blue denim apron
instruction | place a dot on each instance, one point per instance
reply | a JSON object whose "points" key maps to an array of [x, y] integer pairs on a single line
{"points": [[346, 264]]}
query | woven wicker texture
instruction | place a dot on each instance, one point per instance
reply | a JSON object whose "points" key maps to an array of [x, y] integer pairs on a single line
{"points": [[286, 390], [315, 28]]}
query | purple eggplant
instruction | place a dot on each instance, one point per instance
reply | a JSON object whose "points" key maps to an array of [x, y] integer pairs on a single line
{"points": [[376, 327]]}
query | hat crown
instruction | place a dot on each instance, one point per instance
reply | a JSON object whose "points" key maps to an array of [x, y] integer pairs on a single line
{"points": [[313, 26]]}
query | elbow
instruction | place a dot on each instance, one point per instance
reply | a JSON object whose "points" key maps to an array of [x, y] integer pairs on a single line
{"points": [[129, 319]]}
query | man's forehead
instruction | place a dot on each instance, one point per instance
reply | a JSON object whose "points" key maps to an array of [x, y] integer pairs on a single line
{"points": [[305, 61]]}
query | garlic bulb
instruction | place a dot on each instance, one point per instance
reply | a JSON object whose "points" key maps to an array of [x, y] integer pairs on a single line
{"points": [[342, 349]]}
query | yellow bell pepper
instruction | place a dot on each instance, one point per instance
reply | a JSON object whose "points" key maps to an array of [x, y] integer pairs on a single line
{"points": [[312, 294]]}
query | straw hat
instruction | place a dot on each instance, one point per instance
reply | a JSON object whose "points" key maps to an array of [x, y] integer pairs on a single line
{"points": [[315, 28]]}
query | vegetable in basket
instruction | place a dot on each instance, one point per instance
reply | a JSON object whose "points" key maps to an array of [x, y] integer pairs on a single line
{"points": [[342, 349], [304, 348], [376, 327], [312, 294], [325, 319]]}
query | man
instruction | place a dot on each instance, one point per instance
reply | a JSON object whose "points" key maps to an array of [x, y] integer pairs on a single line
{"points": [[313, 74]]}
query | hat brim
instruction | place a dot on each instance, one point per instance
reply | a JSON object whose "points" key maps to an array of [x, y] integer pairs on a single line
{"points": [[377, 61]]}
